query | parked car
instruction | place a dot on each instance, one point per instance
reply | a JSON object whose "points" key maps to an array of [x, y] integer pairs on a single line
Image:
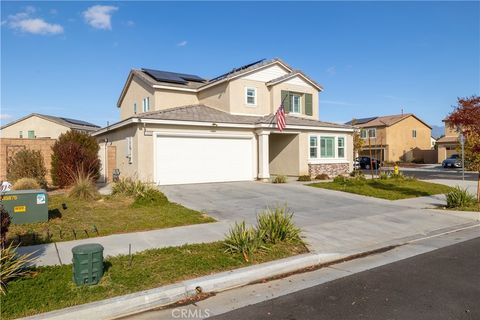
{"points": [[454, 161], [365, 162]]}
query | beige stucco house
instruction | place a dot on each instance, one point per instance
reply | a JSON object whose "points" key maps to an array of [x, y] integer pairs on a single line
{"points": [[448, 144], [180, 128], [403, 137], [35, 126]]}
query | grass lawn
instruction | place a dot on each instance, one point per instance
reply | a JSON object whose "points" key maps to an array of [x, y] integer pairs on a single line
{"points": [[50, 288], [71, 219], [391, 189]]}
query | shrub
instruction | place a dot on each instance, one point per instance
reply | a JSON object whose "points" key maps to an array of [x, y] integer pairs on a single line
{"points": [[280, 179], [458, 198], [304, 178], [130, 187], [322, 176], [12, 266], [83, 188], [151, 197], [383, 176], [5, 221], [244, 240], [27, 164], [398, 176], [26, 184], [277, 225], [356, 173], [74, 152], [340, 179]]}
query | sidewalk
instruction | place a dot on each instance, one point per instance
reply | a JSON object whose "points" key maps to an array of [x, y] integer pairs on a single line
{"points": [[118, 244]]}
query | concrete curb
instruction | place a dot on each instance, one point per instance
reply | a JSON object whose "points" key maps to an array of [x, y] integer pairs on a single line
{"points": [[145, 300]]}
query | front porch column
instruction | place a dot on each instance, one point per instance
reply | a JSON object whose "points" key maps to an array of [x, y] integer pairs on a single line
{"points": [[263, 155]]}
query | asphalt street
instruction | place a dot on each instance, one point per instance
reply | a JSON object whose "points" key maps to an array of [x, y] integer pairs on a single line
{"points": [[441, 284]]}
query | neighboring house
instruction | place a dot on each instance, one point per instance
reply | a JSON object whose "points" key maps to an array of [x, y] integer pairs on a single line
{"points": [[403, 137], [180, 128], [37, 125], [433, 142], [448, 143]]}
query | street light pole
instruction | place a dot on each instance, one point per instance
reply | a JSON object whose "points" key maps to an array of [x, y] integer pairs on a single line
{"points": [[462, 142]]}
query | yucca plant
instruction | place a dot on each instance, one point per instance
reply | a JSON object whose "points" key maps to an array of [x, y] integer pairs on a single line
{"points": [[130, 187], [244, 240], [12, 266], [276, 225], [458, 198]]}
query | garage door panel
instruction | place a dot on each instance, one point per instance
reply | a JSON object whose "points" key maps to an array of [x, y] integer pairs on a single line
{"points": [[203, 159]]}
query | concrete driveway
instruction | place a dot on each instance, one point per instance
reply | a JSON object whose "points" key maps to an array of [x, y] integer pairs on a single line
{"points": [[333, 222]]}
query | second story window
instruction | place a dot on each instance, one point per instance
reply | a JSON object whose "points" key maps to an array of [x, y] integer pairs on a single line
{"points": [[146, 104], [368, 133], [296, 101], [372, 133], [31, 134], [251, 96], [20, 135], [134, 108], [414, 133]]}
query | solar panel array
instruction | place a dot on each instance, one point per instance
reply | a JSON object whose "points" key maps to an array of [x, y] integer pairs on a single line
{"points": [[361, 121], [78, 122], [172, 77], [236, 70]]}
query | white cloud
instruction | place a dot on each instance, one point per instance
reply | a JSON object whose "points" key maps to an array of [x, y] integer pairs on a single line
{"points": [[4, 116], [24, 22], [100, 17], [182, 43], [332, 70], [130, 23]]}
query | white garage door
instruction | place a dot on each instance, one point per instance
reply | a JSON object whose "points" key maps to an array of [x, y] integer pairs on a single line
{"points": [[198, 159]]}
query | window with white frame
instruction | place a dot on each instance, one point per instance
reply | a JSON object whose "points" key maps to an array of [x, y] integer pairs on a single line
{"points": [[363, 134], [296, 102], [146, 104], [251, 96], [129, 150], [414, 133], [372, 133], [327, 147], [313, 147], [20, 135], [341, 147]]}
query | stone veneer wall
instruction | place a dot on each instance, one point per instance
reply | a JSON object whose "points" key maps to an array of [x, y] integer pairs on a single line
{"points": [[332, 169]]}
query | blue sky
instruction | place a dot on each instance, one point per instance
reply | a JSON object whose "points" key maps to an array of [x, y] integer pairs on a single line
{"points": [[373, 58]]}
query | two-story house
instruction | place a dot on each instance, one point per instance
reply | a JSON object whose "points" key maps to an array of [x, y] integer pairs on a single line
{"points": [[448, 144], [403, 137], [180, 128]]}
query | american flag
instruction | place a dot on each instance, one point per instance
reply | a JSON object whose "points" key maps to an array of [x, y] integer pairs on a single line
{"points": [[281, 123]]}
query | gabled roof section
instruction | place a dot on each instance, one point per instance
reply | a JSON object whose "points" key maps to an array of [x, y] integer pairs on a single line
{"points": [[195, 114], [67, 122], [293, 74], [384, 121]]}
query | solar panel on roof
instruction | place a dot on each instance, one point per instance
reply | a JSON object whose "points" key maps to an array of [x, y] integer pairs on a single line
{"points": [[172, 77], [78, 122], [237, 69], [362, 120]]}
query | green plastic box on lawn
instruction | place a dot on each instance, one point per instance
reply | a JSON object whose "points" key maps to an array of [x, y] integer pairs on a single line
{"points": [[26, 206], [87, 264]]}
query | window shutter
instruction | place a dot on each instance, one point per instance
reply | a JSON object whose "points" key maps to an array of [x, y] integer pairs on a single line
{"points": [[308, 104], [286, 100]]}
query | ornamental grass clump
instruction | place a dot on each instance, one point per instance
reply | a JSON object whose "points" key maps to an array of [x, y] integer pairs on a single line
{"points": [[26, 184], [244, 240], [13, 266], [280, 179], [83, 187], [276, 225], [460, 198], [304, 178]]}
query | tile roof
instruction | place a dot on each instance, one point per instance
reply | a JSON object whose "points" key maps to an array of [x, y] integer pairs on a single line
{"points": [[447, 140], [203, 113], [383, 121], [67, 122]]}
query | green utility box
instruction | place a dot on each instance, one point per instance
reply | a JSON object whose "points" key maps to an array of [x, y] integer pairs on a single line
{"points": [[87, 264], [26, 206]]}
